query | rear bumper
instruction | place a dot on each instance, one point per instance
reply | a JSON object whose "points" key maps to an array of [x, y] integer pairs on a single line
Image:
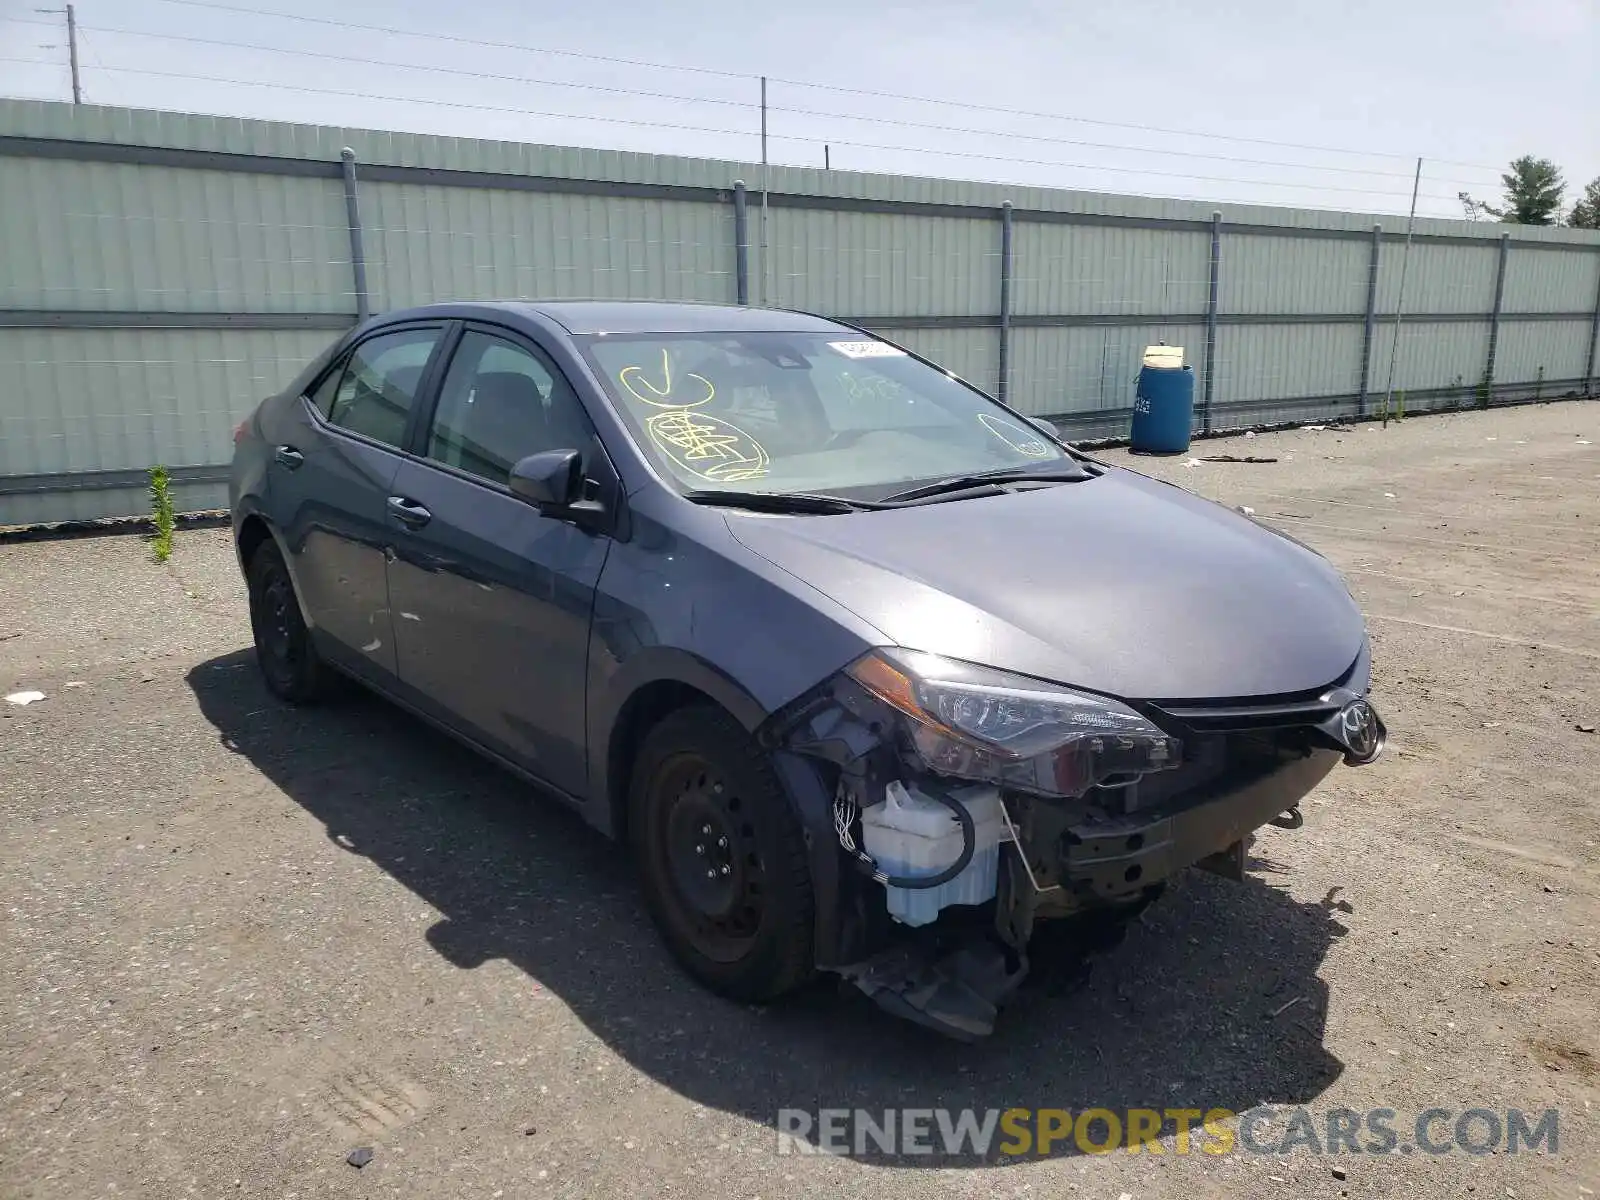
{"points": [[1110, 860]]}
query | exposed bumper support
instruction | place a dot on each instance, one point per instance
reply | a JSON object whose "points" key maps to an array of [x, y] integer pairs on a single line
{"points": [[1112, 861]]}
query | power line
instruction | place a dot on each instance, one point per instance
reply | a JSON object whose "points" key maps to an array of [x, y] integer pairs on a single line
{"points": [[801, 83], [1022, 112], [1034, 137], [386, 62], [461, 71], [478, 107], [497, 108], [746, 104], [458, 39]]}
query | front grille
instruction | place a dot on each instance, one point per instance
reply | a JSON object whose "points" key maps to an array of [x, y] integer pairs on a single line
{"points": [[1228, 743], [1246, 716]]}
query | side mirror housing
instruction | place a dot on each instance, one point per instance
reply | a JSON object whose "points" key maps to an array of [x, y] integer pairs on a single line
{"points": [[551, 479], [553, 482]]}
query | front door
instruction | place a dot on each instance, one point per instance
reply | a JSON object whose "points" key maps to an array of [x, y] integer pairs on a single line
{"points": [[491, 599], [333, 462]]}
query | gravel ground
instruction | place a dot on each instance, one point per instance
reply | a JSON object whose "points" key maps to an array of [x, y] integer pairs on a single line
{"points": [[242, 940]]}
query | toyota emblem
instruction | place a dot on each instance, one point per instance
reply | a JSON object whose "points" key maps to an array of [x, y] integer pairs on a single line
{"points": [[1361, 731]]}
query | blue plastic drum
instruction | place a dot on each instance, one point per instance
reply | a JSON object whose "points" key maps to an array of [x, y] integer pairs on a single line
{"points": [[1163, 410]]}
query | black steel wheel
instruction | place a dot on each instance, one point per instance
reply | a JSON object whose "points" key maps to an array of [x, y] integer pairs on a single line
{"points": [[288, 660], [722, 856]]}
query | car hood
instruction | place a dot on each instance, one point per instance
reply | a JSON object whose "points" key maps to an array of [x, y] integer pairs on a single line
{"points": [[1118, 584]]}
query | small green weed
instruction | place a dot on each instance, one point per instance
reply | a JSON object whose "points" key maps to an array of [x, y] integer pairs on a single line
{"points": [[161, 513]]}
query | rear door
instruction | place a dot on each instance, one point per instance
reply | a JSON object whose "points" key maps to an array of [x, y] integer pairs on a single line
{"points": [[334, 458], [491, 599]]}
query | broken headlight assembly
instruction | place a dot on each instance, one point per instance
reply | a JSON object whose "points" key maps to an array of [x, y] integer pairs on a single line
{"points": [[964, 721]]}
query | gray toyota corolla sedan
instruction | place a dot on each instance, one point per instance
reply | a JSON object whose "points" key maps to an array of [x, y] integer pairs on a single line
{"points": [[872, 672]]}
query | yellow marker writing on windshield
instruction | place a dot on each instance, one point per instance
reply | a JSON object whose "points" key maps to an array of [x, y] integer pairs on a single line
{"points": [[708, 446], [1029, 445], [697, 442], [633, 378]]}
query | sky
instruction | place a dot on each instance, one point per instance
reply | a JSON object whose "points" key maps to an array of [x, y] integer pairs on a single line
{"points": [[1292, 102]]}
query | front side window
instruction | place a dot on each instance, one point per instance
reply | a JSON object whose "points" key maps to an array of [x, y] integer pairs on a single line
{"points": [[322, 395], [500, 403], [829, 412], [379, 385]]}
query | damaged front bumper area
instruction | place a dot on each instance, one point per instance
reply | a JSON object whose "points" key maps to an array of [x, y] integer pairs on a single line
{"points": [[1088, 830]]}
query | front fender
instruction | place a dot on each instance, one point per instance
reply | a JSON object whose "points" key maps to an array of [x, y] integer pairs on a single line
{"points": [[618, 701], [672, 664], [808, 791], [682, 603]]}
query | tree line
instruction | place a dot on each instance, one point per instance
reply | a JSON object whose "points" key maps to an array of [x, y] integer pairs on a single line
{"points": [[1534, 191]]}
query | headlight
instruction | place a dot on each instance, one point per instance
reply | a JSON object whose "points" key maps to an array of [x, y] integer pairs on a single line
{"points": [[972, 722]]}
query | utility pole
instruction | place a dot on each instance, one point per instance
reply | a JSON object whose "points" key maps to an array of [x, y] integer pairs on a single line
{"points": [[72, 47], [1400, 298], [72, 53], [765, 178]]}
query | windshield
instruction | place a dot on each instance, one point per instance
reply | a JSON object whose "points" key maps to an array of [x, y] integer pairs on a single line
{"points": [[806, 412]]}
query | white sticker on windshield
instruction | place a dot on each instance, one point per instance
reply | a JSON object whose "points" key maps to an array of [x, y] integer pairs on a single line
{"points": [[867, 349]]}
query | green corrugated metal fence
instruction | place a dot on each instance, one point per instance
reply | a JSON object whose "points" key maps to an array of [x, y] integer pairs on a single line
{"points": [[160, 273]]}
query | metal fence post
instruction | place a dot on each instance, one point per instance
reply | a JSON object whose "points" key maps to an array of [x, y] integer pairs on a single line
{"points": [[1211, 323], [352, 212], [1494, 318], [1594, 341], [1004, 366], [741, 243], [1372, 320]]}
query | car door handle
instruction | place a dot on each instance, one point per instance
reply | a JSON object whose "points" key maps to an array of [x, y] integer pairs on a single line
{"points": [[289, 457], [408, 512]]}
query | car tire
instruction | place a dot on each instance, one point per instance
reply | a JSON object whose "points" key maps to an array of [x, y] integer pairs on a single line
{"points": [[721, 856], [288, 660]]}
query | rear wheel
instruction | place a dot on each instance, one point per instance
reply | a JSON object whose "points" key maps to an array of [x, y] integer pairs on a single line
{"points": [[721, 856], [289, 662]]}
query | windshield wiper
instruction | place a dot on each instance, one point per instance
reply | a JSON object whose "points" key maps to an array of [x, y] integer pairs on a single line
{"points": [[781, 502], [988, 479]]}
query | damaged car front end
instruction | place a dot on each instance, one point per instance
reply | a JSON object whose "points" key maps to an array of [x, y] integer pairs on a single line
{"points": [[1099, 802], [876, 675]]}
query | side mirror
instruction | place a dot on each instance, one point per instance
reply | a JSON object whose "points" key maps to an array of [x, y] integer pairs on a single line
{"points": [[1048, 428], [549, 479]]}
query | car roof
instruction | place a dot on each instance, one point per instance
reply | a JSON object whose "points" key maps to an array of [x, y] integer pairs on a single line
{"points": [[638, 316]]}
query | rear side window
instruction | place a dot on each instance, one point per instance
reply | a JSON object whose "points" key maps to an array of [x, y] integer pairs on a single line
{"points": [[379, 385]]}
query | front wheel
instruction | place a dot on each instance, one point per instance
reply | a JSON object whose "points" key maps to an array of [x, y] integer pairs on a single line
{"points": [[289, 662], [721, 856]]}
